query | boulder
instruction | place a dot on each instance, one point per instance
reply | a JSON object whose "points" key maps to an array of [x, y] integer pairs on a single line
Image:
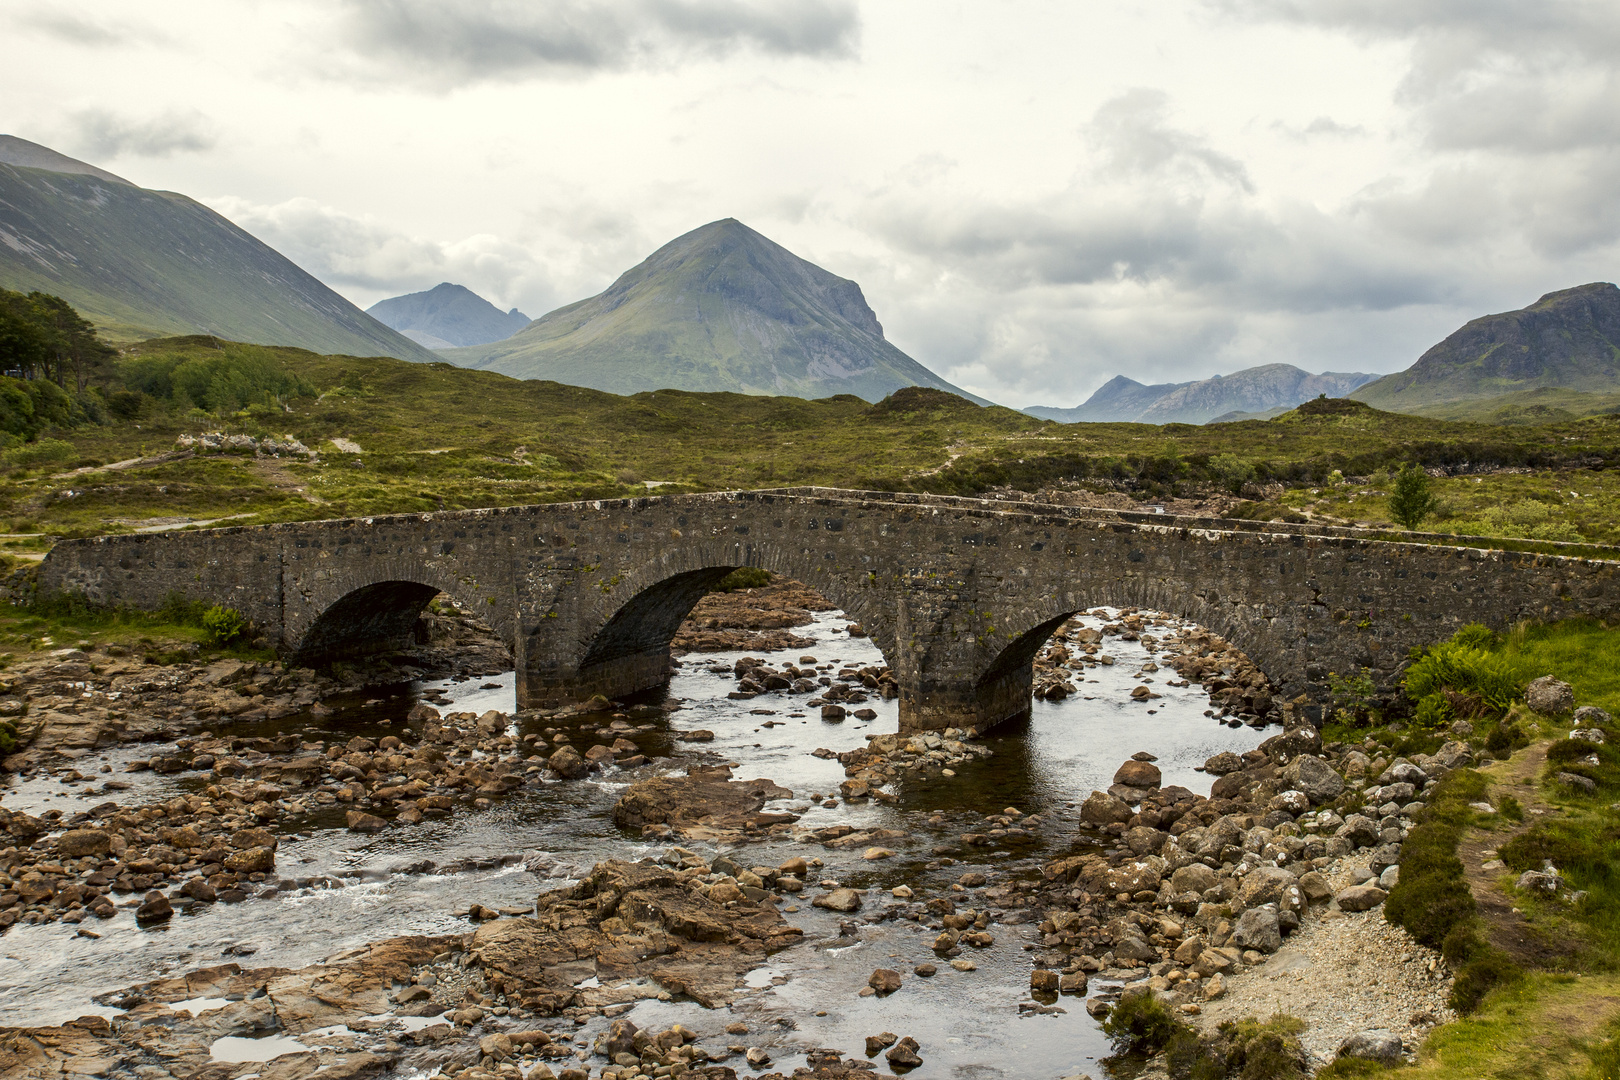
{"points": [[1144, 841], [1043, 981], [1258, 929], [1537, 881], [360, 822], [1375, 1044], [261, 860], [1195, 877], [1360, 830], [1591, 715], [1223, 763], [1315, 886], [1360, 897], [1138, 774], [1314, 777], [155, 908], [1292, 743], [1583, 785], [77, 843], [844, 900], [884, 980], [1549, 696], [568, 763], [1102, 808], [903, 1055], [1265, 885]]}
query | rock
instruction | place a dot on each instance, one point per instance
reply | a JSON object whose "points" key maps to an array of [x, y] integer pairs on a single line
{"points": [[1265, 885], [1101, 808], [254, 837], [1360, 830], [362, 822], [884, 980], [1537, 881], [1576, 782], [1043, 981], [1388, 879], [155, 908], [1144, 841], [832, 712], [1314, 777], [1258, 929], [1549, 696], [927, 971], [1134, 948], [1315, 886], [1360, 897], [1376, 1044], [876, 1044], [568, 763], [1194, 877], [1072, 983], [903, 1055], [258, 860], [1140, 774], [699, 804], [844, 900], [77, 843], [198, 889], [1290, 802], [964, 965], [1454, 755], [1592, 715], [758, 1057], [1223, 763], [1588, 735]]}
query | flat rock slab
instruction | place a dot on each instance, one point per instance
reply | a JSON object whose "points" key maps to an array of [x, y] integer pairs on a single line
{"points": [[705, 804]]}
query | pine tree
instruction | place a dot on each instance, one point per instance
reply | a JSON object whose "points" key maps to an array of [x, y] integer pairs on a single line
{"points": [[1412, 501]]}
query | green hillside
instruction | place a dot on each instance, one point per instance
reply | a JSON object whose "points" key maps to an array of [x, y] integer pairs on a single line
{"points": [[143, 264], [720, 308], [1569, 340], [496, 441]]}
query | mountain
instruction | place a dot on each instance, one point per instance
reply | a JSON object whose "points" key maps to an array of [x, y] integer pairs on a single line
{"points": [[720, 308], [447, 316], [1270, 388], [1568, 339], [142, 263]]}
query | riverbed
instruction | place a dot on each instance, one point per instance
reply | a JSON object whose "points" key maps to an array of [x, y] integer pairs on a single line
{"points": [[338, 890]]}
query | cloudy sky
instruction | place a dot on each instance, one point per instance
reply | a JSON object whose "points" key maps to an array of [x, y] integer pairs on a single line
{"points": [[1035, 195]]}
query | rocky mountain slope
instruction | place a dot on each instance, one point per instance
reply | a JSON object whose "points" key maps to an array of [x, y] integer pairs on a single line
{"points": [[143, 263], [447, 316], [1568, 339], [720, 308], [1270, 388]]}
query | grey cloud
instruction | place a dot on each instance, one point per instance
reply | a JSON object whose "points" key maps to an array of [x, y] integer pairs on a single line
{"points": [[1133, 132], [478, 40], [101, 133]]}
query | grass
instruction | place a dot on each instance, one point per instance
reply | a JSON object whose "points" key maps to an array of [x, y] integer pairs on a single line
{"points": [[433, 436]]}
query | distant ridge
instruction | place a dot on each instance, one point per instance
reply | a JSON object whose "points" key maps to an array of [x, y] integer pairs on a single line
{"points": [[1569, 339], [447, 316], [720, 308], [143, 263], [1269, 388]]}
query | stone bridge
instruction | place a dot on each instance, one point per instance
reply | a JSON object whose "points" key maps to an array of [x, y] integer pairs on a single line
{"points": [[958, 594]]}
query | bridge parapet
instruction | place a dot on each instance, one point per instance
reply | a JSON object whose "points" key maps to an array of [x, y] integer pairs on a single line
{"points": [[958, 594]]}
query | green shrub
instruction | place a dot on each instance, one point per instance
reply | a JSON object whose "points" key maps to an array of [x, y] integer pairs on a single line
{"points": [[744, 577], [1432, 898], [1140, 1024], [1476, 636], [223, 624], [8, 737], [1480, 976], [1433, 711], [41, 452], [1510, 808], [1264, 1051], [1450, 665], [1412, 501]]}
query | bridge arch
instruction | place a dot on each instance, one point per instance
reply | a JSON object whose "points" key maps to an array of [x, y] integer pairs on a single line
{"points": [[618, 641], [1001, 689], [345, 615]]}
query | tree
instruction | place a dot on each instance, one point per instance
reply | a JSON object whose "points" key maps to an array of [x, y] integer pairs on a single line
{"points": [[72, 341], [1412, 501]]}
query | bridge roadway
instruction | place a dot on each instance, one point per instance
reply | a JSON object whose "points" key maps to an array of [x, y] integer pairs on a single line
{"points": [[958, 594]]}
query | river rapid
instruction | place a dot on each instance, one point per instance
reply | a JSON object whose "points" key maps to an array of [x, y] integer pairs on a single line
{"points": [[339, 890]]}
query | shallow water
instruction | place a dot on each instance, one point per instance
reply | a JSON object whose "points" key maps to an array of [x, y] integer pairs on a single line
{"points": [[969, 1024]]}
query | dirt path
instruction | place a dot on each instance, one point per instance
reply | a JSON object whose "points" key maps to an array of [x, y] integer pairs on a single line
{"points": [[1507, 929], [274, 472]]}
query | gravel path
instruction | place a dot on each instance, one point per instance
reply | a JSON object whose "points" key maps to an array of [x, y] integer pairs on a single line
{"points": [[1342, 973]]}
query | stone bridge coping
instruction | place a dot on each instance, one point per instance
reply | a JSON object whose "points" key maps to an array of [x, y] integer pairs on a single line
{"points": [[1004, 508]]}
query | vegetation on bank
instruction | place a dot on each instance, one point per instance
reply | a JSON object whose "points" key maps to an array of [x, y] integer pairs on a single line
{"points": [[391, 436]]}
